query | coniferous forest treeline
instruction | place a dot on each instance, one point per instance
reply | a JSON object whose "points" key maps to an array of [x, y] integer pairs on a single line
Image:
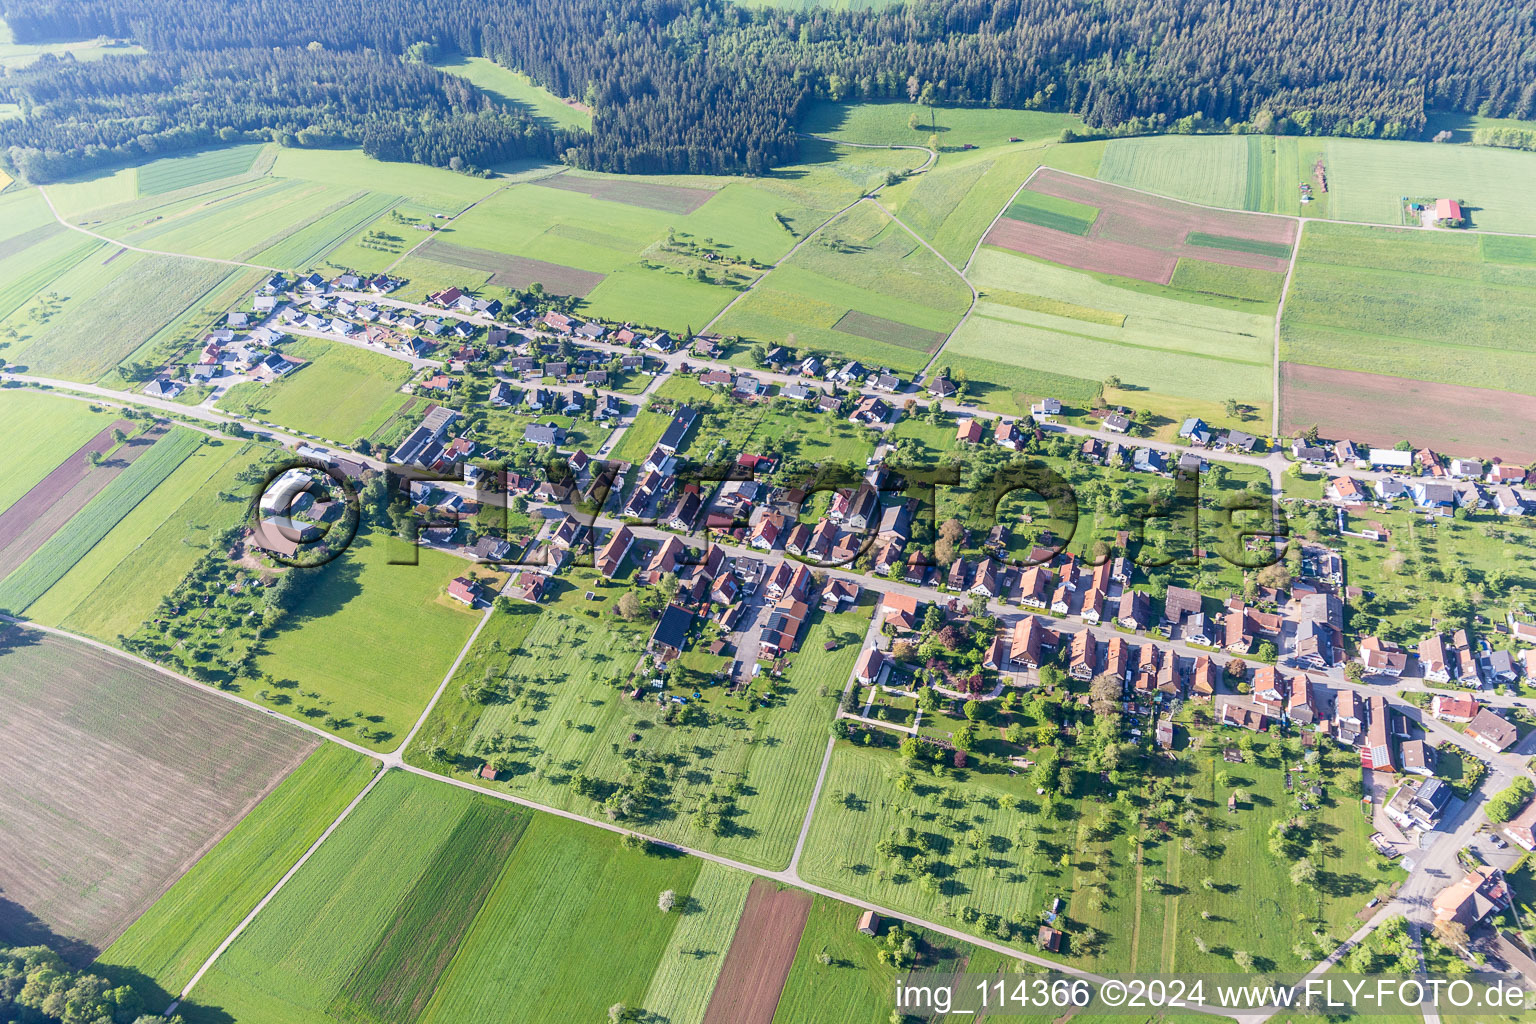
{"points": [[710, 86]]}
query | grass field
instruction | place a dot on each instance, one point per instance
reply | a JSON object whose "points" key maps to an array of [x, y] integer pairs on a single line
{"points": [[367, 634], [1232, 171], [341, 393], [440, 190], [608, 941], [1039, 326], [1220, 279], [564, 715], [105, 801], [518, 90], [178, 172], [1367, 180], [48, 564], [42, 431], [81, 322], [173, 938], [1430, 305], [864, 263], [685, 976], [1026, 858], [307, 246]]}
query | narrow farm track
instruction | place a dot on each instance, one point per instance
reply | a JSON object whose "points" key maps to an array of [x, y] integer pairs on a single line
{"points": [[932, 156], [134, 248], [1285, 290]]}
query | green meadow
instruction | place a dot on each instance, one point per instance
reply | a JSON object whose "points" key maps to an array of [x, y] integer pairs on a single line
{"points": [[865, 263], [341, 392], [517, 90], [178, 172], [1049, 326], [432, 904]]}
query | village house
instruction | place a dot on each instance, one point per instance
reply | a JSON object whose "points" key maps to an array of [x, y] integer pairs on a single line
{"points": [[1084, 660], [465, 590], [1376, 752], [1491, 731], [1382, 658], [671, 634], [1418, 803], [1473, 899]]}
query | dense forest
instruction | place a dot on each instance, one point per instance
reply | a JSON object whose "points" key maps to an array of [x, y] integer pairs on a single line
{"points": [[708, 85]]}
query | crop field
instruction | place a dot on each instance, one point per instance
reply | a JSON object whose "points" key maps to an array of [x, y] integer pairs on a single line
{"points": [[562, 661], [610, 936], [441, 190], [1047, 330], [48, 564], [69, 486], [178, 172], [1431, 306], [305, 246], [430, 903], [107, 305], [1382, 410], [201, 315], [1367, 180], [887, 123], [106, 803], [1051, 212], [752, 977], [616, 189], [1233, 282], [1232, 171], [383, 869], [42, 431], [171, 939], [518, 90], [1137, 235], [232, 222], [953, 203], [371, 635], [342, 391], [863, 263], [194, 484], [1026, 858], [685, 976], [508, 271], [878, 328]]}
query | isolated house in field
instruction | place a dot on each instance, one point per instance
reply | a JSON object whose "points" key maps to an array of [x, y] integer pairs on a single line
{"points": [[869, 923], [1448, 213]]}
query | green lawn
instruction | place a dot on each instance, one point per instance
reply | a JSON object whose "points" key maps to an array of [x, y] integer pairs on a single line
{"points": [[561, 716], [375, 636], [341, 393], [171, 939], [42, 430]]}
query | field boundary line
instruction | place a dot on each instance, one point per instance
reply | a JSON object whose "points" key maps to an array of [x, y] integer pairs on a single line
{"points": [[271, 893], [1285, 290], [1014, 195], [433, 234], [134, 248]]}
